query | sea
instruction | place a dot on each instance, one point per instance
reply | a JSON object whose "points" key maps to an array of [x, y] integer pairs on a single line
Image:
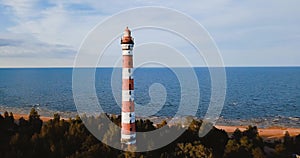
{"points": [[260, 96]]}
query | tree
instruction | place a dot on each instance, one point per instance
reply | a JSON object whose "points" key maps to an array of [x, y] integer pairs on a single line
{"points": [[35, 121], [60, 138], [56, 117], [11, 117], [217, 140], [193, 150], [251, 132], [162, 124], [6, 114], [8, 122], [237, 134], [235, 149], [280, 150], [113, 135], [33, 115], [287, 140], [257, 153], [297, 144]]}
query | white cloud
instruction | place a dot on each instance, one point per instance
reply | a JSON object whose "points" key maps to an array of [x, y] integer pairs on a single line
{"points": [[55, 27], [24, 45], [23, 50], [21, 9]]}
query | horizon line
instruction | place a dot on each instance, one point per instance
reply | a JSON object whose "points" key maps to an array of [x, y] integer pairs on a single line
{"points": [[230, 66]]}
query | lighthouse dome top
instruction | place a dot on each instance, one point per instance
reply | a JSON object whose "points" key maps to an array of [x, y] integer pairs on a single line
{"points": [[127, 39], [127, 32]]}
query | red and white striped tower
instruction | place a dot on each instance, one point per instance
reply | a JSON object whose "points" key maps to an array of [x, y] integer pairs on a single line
{"points": [[128, 135]]}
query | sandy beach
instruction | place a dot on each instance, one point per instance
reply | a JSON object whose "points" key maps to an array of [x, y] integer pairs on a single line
{"points": [[25, 116], [268, 133]]}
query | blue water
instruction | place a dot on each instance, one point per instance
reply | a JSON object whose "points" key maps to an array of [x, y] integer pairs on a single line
{"points": [[264, 95]]}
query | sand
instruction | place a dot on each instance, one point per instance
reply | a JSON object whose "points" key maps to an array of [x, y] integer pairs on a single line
{"points": [[269, 133], [25, 116]]}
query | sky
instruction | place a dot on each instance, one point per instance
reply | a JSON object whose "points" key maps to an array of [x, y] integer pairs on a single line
{"points": [[44, 33]]}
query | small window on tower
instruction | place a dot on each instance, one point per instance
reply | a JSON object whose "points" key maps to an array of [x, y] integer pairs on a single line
{"points": [[129, 88], [129, 92], [129, 70], [130, 129], [129, 114]]}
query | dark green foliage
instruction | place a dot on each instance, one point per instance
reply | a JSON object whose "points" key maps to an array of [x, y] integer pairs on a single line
{"points": [[245, 144], [35, 121], [289, 146], [217, 140], [297, 144], [193, 150], [70, 138], [237, 134], [144, 125]]}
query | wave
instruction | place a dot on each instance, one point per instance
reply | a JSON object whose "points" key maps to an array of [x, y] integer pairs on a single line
{"points": [[263, 122]]}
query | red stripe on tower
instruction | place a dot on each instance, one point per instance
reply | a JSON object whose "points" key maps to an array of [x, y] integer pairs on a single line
{"points": [[128, 135]]}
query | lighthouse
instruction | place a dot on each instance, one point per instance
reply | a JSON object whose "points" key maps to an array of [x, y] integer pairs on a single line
{"points": [[128, 135]]}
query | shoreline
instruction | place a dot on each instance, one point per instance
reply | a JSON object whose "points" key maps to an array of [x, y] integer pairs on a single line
{"points": [[267, 133], [275, 132], [26, 117], [258, 121]]}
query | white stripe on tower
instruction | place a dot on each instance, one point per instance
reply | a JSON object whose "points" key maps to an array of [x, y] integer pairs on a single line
{"points": [[127, 73], [128, 117], [127, 95], [128, 135]]}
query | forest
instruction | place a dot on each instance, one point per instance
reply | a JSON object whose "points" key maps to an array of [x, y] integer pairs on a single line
{"points": [[69, 138]]}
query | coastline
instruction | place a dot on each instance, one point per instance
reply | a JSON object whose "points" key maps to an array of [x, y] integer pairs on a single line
{"points": [[25, 116], [267, 133], [275, 132]]}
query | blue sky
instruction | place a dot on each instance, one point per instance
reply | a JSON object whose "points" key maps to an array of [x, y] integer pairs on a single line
{"points": [[41, 33]]}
